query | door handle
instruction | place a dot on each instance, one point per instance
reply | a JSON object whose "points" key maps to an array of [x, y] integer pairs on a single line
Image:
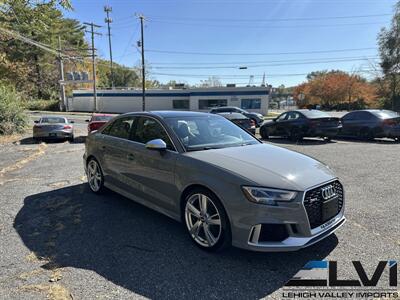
{"points": [[130, 156]]}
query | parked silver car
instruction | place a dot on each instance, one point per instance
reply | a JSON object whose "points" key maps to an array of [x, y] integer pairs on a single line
{"points": [[226, 186], [53, 127]]}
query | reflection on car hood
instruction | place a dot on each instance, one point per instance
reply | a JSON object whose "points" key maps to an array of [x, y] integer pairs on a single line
{"points": [[268, 166]]}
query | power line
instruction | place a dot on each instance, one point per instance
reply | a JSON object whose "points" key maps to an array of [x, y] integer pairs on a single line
{"points": [[268, 26], [255, 62], [267, 65], [259, 54], [269, 19]]}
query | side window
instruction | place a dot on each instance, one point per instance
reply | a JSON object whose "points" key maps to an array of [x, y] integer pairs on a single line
{"points": [[350, 116], [120, 128], [148, 129], [293, 115], [366, 116], [282, 117]]}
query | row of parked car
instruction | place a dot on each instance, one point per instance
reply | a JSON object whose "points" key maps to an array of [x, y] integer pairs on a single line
{"points": [[296, 124]]}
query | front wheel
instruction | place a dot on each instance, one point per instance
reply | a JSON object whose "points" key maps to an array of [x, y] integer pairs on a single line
{"points": [[206, 221], [95, 176], [264, 133]]}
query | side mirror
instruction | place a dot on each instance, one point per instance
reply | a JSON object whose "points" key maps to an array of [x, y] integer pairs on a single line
{"points": [[157, 144], [36, 121]]}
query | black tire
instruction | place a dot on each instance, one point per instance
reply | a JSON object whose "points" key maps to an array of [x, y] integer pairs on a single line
{"points": [[101, 188], [71, 139], [264, 133], [225, 238], [295, 135]]}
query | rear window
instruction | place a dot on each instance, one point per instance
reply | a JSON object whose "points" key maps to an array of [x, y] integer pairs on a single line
{"points": [[52, 120], [386, 114], [313, 114], [101, 118]]}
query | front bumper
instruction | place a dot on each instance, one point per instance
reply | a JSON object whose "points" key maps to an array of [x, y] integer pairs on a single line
{"points": [[247, 226]]}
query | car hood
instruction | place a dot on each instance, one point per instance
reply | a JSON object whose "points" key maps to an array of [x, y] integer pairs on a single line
{"points": [[268, 166]]}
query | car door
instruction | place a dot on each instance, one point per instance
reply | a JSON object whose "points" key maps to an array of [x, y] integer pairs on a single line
{"points": [[281, 124], [151, 173], [350, 123], [114, 145]]}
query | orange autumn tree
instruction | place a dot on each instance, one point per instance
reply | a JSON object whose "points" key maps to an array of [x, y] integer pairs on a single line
{"points": [[335, 89]]}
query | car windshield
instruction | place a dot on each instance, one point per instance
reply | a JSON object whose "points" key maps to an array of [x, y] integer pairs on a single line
{"points": [[101, 118], [313, 114], [52, 120], [386, 114], [209, 132]]}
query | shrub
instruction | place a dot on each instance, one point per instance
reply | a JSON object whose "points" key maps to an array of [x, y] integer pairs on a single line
{"points": [[49, 105], [12, 116]]}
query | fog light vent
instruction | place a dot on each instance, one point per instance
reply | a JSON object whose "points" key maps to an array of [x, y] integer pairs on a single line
{"points": [[273, 233]]}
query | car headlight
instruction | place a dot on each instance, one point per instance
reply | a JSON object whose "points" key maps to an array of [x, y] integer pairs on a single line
{"points": [[267, 196]]}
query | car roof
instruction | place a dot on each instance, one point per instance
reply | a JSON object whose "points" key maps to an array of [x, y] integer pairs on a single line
{"points": [[232, 115], [171, 113], [222, 107], [102, 115]]}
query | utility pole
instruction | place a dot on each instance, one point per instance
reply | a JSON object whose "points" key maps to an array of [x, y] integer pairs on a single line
{"points": [[108, 20], [141, 17], [61, 68], [92, 32]]}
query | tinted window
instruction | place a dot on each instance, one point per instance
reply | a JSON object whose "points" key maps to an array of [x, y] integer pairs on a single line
{"points": [[350, 116], [282, 117], [180, 104], [251, 103], [293, 115], [120, 128], [209, 103], [148, 129]]}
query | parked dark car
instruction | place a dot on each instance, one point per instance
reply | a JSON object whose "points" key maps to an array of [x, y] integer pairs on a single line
{"points": [[301, 123], [241, 120], [256, 117], [371, 123], [97, 121]]}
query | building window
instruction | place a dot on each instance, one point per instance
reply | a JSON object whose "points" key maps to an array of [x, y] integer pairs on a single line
{"points": [[180, 104], [251, 103], [210, 103]]}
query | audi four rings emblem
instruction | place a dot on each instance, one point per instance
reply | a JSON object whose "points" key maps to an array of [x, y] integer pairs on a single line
{"points": [[328, 192]]}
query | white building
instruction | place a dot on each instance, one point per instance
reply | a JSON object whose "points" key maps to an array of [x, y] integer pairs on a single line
{"points": [[253, 99]]}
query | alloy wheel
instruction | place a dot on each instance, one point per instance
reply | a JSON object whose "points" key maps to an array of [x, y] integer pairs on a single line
{"points": [[94, 175], [203, 220]]}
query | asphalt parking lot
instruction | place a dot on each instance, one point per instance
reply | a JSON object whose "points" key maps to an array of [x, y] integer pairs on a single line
{"points": [[60, 240]]}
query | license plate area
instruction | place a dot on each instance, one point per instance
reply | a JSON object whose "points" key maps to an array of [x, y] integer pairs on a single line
{"points": [[330, 208]]}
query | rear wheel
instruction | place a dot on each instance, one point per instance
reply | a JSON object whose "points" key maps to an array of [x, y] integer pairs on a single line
{"points": [[95, 176], [206, 220]]}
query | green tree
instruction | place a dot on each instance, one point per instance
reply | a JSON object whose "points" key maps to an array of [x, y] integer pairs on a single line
{"points": [[389, 47]]}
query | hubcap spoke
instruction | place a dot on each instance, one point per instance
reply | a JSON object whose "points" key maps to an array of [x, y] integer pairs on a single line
{"points": [[214, 220], [203, 204], [193, 210], [195, 229], [210, 238]]}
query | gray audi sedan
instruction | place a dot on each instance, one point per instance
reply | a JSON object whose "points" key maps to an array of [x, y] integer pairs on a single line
{"points": [[226, 186], [53, 127]]}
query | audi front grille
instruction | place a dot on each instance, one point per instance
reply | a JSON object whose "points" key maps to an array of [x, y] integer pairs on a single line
{"points": [[315, 203]]}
